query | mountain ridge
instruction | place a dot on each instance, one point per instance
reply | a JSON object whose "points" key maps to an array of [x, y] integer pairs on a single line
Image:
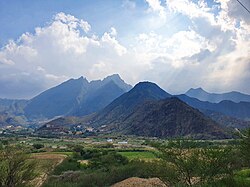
{"points": [[203, 95], [71, 96]]}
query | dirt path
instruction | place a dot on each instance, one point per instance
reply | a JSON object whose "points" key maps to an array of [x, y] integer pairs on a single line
{"points": [[46, 164]]}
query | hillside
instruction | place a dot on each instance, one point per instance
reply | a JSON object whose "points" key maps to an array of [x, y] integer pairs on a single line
{"points": [[12, 106], [239, 110], [227, 121], [124, 105], [168, 118]]}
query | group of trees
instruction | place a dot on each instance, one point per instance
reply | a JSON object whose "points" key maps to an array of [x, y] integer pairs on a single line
{"points": [[195, 164]]}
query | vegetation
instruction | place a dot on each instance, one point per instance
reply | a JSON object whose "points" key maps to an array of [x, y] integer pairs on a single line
{"points": [[38, 146], [75, 163], [16, 167], [245, 148], [197, 166], [138, 154]]}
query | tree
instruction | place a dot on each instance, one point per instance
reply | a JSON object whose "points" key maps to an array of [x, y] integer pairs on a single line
{"points": [[195, 165], [180, 154], [214, 164], [16, 168], [38, 146], [245, 148]]}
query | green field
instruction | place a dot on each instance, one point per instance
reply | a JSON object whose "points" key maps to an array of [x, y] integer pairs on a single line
{"points": [[138, 154]]}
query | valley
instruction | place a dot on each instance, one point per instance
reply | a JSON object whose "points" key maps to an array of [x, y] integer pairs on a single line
{"points": [[108, 133]]}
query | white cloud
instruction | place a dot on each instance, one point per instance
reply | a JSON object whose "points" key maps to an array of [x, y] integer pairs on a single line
{"points": [[155, 6], [52, 54], [213, 52], [193, 10]]}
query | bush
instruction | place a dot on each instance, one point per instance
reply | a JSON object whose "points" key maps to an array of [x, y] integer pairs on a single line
{"points": [[108, 160], [38, 146], [101, 178], [68, 164], [16, 168]]}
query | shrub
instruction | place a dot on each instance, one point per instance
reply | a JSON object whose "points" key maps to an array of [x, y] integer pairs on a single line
{"points": [[38, 146]]}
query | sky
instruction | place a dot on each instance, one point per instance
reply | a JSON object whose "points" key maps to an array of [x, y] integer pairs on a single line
{"points": [[177, 44]]}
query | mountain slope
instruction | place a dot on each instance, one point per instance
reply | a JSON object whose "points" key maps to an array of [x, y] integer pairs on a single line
{"points": [[76, 97], [124, 105], [227, 121], [98, 99], [7, 119], [57, 101], [13, 106], [238, 110], [202, 95], [170, 118]]}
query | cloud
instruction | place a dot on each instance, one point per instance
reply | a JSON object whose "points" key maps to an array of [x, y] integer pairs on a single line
{"points": [[211, 50], [52, 54], [155, 6], [72, 22], [237, 11]]}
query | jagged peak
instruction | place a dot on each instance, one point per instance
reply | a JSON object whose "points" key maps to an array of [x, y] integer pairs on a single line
{"points": [[198, 89], [118, 80]]}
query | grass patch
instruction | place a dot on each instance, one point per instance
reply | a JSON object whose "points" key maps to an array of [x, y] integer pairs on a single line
{"points": [[242, 178], [138, 155], [63, 153]]}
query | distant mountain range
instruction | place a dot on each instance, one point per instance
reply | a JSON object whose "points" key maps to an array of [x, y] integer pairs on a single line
{"points": [[239, 110], [202, 95], [76, 97], [146, 110], [227, 121]]}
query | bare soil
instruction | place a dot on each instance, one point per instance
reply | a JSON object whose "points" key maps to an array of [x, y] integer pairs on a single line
{"points": [[139, 182]]}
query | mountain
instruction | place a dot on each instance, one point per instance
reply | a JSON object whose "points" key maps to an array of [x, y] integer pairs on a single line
{"points": [[76, 97], [124, 105], [7, 119], [170, 118], [13, 106], [147, 110], [227, 121], [59, 125], [118, 81], [98, 99], [202, 95], [239, 110], [57, 101]]}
